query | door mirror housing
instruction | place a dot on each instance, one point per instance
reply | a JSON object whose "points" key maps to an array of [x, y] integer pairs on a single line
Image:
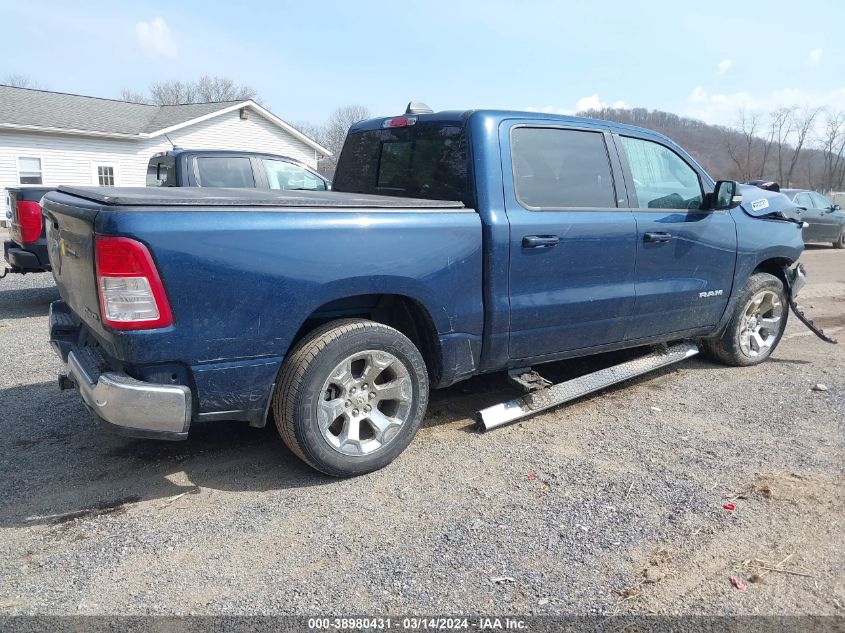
{"points": [[726, 195], [836, 207]]}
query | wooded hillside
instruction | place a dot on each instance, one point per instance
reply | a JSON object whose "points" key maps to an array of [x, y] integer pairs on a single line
{"points": [[797, 148]]}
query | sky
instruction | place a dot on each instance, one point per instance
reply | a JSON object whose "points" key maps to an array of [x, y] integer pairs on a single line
{"points": [[700, 59]]}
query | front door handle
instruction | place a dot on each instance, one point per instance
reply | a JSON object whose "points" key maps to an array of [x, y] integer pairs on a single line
{"points": [[540, 241], [658, 236]]}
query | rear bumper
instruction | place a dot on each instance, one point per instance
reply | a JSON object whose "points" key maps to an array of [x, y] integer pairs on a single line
{"points": [[32, 259], [142, 408], [139, 408]]}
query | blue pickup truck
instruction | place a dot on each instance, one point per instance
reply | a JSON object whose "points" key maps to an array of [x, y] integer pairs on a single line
{"points": [[453, 244]]}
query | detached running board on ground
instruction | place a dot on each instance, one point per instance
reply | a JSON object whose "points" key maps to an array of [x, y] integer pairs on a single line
{"points": [[531, 403]]}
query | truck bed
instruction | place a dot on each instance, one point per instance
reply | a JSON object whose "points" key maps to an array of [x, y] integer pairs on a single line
{"points": [[223, 197], [244, 269]]}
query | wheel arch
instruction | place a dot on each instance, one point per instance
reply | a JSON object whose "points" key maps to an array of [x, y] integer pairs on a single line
{"points": [[774, 266], [402, 312]]}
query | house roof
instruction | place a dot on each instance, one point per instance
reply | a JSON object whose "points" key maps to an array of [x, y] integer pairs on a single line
{"points": [[168, 116], [42, 110]]}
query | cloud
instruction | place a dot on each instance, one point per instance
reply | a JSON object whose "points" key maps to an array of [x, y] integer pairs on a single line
{"points": [[815, 57], [697, 95], [156, 38], [594, 102], [590, 102], [724, 65]]}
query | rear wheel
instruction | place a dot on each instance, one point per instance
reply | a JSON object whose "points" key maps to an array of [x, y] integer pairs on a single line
{"points": [[840, 243], [756, 326], [351, 397]]}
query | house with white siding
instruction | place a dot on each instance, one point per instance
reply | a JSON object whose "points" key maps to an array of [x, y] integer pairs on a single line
{"points": [[52, 138]]}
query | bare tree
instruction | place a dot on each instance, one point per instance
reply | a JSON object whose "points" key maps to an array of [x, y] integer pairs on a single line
{"points": [[309, 129], [209, 88], [767, 146], [832, 145], [332, 133], [729, 140], [206, 89], [172, 92], [782, 121], [740, 147], [18, 80], [803, 126], [133, 96]]}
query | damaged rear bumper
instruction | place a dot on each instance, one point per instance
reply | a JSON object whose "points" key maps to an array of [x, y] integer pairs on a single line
{"points": [[143, 408], [139, 408]]}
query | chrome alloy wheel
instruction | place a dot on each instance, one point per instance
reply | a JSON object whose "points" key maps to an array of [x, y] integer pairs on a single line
{"points": [[364, 402], [761, 323]]}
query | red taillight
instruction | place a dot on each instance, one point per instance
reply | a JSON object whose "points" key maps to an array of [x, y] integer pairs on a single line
{"points": [[399, 121], [29, 221], [132, 296]]}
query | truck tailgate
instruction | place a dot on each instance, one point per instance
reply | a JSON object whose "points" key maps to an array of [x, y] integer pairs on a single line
{"points": [[70, 241]]}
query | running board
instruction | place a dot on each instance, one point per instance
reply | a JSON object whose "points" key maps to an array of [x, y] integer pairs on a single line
{"points": [[531, 403]]}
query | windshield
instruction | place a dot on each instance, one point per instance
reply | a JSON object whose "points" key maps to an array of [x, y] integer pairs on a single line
{"points": [[419, 161]]}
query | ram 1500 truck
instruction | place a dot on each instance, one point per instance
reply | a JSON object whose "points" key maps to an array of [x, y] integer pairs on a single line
{"points": [[454, 244]]}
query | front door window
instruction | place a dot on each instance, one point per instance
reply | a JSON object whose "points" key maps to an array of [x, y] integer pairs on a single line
{"points": [[662, 179]]}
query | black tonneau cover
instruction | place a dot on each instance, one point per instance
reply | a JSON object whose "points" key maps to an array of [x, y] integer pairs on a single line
{"points": [[218, 196]]}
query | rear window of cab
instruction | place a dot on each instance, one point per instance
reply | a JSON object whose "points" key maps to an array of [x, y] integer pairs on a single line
{"points": [[417, 161]]}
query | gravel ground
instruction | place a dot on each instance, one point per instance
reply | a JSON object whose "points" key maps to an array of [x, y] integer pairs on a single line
{"points": [[613, 504]]}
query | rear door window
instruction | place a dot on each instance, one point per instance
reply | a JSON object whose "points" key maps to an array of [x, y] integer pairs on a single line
{"points": [[662, 179], [224, 171], [561, 169]]}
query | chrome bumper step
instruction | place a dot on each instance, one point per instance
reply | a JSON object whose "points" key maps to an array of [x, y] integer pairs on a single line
{"points": [[536, 401]]}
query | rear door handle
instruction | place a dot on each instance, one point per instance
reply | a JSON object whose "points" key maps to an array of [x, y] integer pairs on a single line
{"points": [[540, 241], [659, 236]]}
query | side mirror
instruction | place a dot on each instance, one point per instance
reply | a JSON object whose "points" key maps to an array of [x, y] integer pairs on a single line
{"points": [[836, 207], [726, 195]]}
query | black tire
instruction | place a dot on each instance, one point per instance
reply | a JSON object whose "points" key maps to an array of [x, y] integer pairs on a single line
{"points": [[301, 382], [727, 348], [840, 243]]}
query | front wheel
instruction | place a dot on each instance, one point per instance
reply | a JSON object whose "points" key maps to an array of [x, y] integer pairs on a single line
{"points": [[351, 397], [756, 326]]}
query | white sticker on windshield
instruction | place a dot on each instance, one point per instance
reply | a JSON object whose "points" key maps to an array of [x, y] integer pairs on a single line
{"points": [[760, 204]]}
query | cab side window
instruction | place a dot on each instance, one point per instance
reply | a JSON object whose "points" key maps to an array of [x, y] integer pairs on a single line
{"points": [[804, 200], [287, 176], [820, 202], [224, 171], [662, 179], [561, 169]]}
